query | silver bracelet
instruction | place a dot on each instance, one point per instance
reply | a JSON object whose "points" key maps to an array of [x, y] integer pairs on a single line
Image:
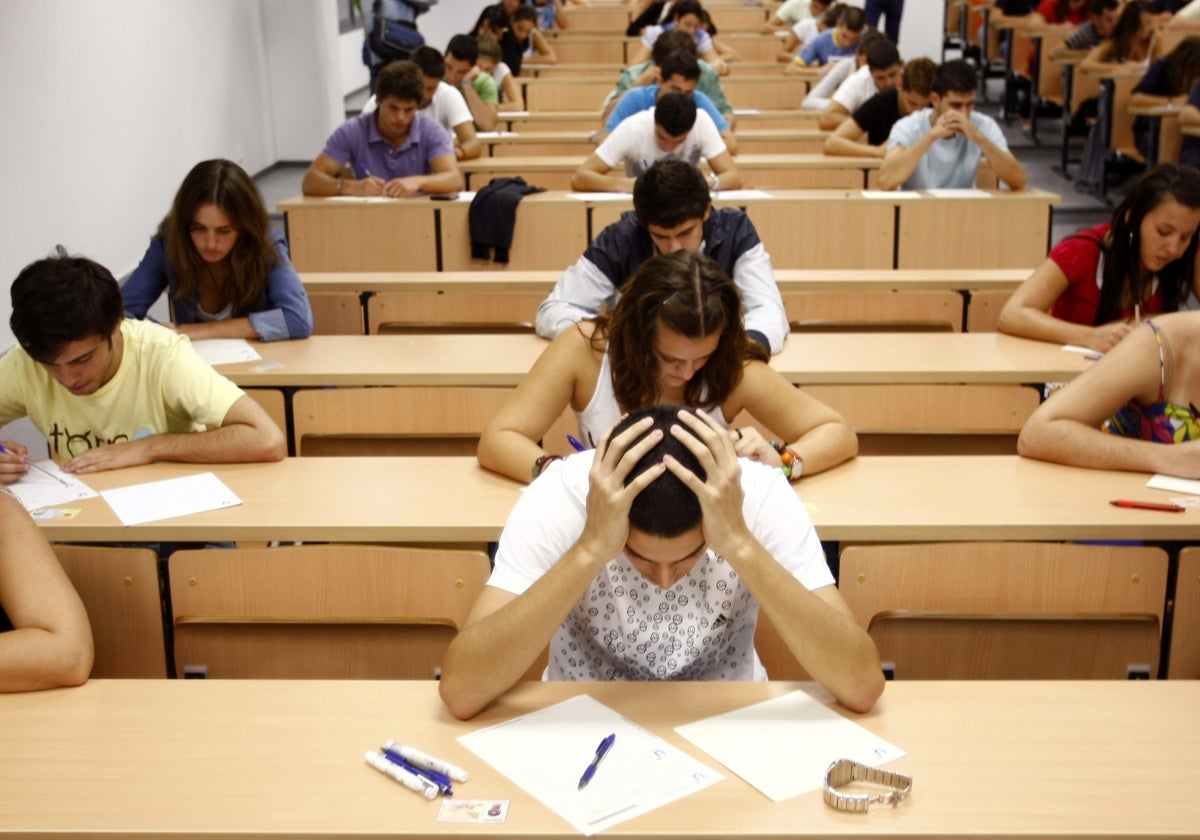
{"points": [[843, 771]]}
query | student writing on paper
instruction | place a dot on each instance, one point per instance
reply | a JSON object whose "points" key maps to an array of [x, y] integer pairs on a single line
{"points": [[1119, 414], [676, 336], [649, 558], [226, 272], [1096, 283], [45, 637], [109, 392]]}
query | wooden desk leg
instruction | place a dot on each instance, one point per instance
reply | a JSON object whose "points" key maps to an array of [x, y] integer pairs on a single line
{"points": [[1068, 80], [1035, 83], [1108, 94]]}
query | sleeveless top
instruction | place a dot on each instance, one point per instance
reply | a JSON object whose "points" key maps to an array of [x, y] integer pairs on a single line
{"points": [[1161, 422], [602, 411]]}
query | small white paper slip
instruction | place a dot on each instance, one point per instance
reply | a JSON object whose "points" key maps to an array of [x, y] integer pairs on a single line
{"points": [[741, 112], [493, 135], [970, 192], [783, 746], [1171, 482], [225, 351], [155, 500], [602, 196], [889, 194], [36, 490], [738, 195]]}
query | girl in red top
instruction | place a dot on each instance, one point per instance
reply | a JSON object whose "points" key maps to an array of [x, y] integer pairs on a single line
{"points": [[1098, 283], [1063, 11]]}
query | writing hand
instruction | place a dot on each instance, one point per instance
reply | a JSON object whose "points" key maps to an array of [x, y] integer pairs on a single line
{"points": [[1107, 336], [748, 442], [402, 187], [372, 185], [720, 493], [14, 462]]}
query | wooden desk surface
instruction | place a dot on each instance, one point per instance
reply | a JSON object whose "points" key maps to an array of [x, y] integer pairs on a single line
{"points": [[807, 359], [283, 759], [453, 499], [788, 280]]}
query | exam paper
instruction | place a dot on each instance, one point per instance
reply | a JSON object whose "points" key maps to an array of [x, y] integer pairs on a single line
{"points": [[970, 192], [602, 196], [783, 746], [736, 195], [225, 351], [36, 490], [545, 752], [172, 497], [1171, 482], [890, 194]]}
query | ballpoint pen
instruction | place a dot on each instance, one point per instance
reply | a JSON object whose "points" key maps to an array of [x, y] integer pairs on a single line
{"points": [[601, 751], [1130, 503], [442, 781], [410, 780], [416, 758], [575, 444], [42, 470]]}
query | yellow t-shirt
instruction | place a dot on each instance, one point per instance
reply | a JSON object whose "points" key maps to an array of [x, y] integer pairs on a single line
{"points": [[161, 386]]}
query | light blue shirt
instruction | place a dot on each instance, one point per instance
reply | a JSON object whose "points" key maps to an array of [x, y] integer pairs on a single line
{"points": [[950, 163], [643, 99]]}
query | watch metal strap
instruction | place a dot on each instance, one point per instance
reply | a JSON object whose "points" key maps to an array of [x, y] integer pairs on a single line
{"points": [[843, 771]]}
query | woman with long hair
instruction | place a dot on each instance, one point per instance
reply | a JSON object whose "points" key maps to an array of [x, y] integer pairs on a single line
{"points": [[1097, 283], [675, 337], [227, 273]]}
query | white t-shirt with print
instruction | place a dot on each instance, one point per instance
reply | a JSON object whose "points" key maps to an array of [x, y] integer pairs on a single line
{"points": [[632, 143]]}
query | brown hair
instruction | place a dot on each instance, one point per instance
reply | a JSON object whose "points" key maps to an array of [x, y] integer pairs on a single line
{"points": [[691, 294], [227, 186]]}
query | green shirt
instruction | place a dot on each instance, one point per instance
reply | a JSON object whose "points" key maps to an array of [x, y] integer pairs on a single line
{"points": [[485, 86], [709, 84]]}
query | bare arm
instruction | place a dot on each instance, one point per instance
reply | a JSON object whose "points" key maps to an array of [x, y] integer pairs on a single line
{"points": [[543, 53], [900, 161], [445, 178], [848, 141], [1027, 313], [594, 175], [723, 167], [834, 115], [513, 99], [323, 178], [229, 328], [1097, 60], [247, 434], [466, 144], [484, 113], [51, 641], [1007, 167]]}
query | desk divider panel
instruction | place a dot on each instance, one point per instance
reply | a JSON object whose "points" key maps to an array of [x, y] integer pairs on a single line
{"points": [[1184, 660]]}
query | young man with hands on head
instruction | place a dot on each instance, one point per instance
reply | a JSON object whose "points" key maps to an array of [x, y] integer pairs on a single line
{"points": [[649, 558]]}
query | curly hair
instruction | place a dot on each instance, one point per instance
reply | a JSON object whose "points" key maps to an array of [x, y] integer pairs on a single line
{"points": [[225, 185], [690, 294]]}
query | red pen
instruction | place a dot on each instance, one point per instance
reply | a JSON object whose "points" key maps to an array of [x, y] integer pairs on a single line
{"points": [[1128, 503]]}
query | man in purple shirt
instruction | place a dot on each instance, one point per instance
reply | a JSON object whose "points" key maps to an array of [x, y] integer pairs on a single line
{"points": [[394, 150]]}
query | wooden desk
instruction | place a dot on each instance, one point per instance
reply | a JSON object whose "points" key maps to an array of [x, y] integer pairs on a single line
{"points": [[803, 139], [575, 120], [283, 759], [935, 498], [491, 360], [745, 89]]}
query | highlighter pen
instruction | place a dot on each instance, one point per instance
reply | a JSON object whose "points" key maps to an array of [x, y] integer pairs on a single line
{"points": [[1129, 503], [416, 758], [443, 782], [42, 470], [410, 780], [578, 447]]}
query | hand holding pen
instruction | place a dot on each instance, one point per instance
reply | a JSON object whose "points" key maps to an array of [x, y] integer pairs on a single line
{"points": [[14, 467], [601, 751]]}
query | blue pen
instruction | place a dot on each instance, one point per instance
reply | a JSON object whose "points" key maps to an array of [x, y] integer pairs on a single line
{"points": [[601, 751], [443, 782], [579, 447], [43, 471], [366, 173]]}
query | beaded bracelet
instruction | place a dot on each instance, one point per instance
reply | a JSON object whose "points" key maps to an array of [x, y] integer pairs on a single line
{"points": [[543, 461], [793, 464]]}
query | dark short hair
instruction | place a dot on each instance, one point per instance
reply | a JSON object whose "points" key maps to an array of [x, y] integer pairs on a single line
{"points": [[868, 38], [918, 75], [431, 62], [61, 299], [676, 113], [464, 48], [669, 193], [524, 13], [882, 54], [957, 76], [1101, 6], [402, 80], [680, 64], [854, 18], [687, 7], [671, 41], [666, 507]]}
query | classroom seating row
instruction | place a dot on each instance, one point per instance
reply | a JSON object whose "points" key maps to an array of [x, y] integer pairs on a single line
{"points": [[929, 605], [618, 51], [803, 139], [589, 120], [811, 229], [356, 303]]}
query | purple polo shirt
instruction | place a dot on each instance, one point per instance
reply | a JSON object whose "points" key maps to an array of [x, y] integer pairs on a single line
{"points": [[359, 143]]}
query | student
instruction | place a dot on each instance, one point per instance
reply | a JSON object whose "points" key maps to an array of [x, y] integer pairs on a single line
{"points": [[1062, 11], [672, 211], [475, 85], [1135, 409], [866, 132], [824, 16], [110, 393], [833, 43], [942, 146], [1099, 25], [394, 151], [880, 73], [675, 336], [650, 73], [650, 559], [789, 13], [821, 94], [45, 637], [226, 272], [686, 15], [524, 42], [673, 129], [1167, 82], [491, 61], [1095, 285], [1132, 41], [445, 103]]}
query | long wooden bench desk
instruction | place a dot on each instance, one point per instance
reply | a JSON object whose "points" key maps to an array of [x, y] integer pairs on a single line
{"points": [[453, 499], [370, 302], [490, 360], [589, 120], [804, 139], [284, 759], [742, 89], [802, 228]]}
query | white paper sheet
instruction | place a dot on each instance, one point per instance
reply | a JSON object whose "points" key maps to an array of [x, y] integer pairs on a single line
{"points": [[225, 351], [890, 194], [735, 195], [964, 193], [546, 752], [1171, 482], [784, 745], [36, 490], [172, 497], [493, 135], [602, 196]]}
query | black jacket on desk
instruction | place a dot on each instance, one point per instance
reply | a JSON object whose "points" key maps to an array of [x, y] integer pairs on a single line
{"points": [[493, 215]]}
